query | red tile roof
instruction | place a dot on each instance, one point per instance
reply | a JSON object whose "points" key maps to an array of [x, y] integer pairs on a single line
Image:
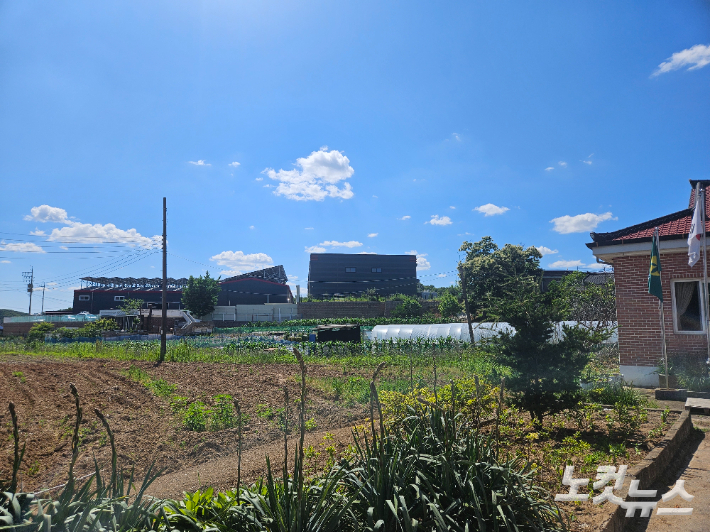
{"points": [[669, 227]]}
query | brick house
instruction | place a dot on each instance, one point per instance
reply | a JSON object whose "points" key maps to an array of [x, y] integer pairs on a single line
{"points": [[628, 250]]}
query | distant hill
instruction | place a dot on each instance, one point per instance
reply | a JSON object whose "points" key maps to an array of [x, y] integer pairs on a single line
{"points": [[7, 313]]}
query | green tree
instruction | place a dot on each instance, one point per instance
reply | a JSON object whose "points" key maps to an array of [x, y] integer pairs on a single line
{"points": [[584, 301], [545, 367], [490, 271], [38, 331], [131, 305], [95, 328], [449, 305], [408, 308], [200, 294]]}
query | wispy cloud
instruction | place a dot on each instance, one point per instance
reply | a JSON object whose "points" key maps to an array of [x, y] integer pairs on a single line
{"points": [[315, 178], [372, 235], [404, 217], [694, 57], [234, 164], [38, 232], [308, 228], [452, 207], [574, 264], [544, 250], [491, 210], [456, 136], [336, 244], [5, 262], [563, 164], [422, 263], [442, 275], [21, 247], [238, 262], [549, 168], [201, 162], [315, 249], [581, 223], [587, 162], [259, 179], [251, 227], [436, 220]]}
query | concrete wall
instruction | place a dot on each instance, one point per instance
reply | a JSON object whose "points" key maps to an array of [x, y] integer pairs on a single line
{"points": [[248, 313]]}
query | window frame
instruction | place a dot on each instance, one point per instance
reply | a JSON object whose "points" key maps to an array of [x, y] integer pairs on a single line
{"points": [[674, 314], [119, 299], [376, 270], [350, 269], [84, 297]]}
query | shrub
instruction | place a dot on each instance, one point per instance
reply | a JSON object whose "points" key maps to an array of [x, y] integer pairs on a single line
{"points": [[409, 307], [38, 332], [449, 306], [195, 416]]}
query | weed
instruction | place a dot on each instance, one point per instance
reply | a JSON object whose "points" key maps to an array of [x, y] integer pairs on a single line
{"points": [[311, 424], [19, 375], [195, 416]]}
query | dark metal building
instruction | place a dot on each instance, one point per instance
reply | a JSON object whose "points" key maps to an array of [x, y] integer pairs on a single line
{"points": [[342, 274], [253, 288]]}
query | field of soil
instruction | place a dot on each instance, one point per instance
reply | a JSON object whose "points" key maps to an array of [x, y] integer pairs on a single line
{"points": [[145, 427]]}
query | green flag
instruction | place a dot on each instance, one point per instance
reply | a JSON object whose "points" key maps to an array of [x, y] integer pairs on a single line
{"points": [[654, 272]]}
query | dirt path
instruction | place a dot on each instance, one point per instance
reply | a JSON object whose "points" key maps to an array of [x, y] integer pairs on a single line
{"points": [[221, 473], [695, 471]]}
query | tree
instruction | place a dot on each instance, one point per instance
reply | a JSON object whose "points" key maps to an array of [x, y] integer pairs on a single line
{"points": [[489, 271], [408, 308], [449, 305], [200, 294], [131, 305], [38, 331], [545, 367], [584, 301]]}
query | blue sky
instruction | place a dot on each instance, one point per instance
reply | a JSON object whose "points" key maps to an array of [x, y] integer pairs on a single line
{"points": [[275, 128]]}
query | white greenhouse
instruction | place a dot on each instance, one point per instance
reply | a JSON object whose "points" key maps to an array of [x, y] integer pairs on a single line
{"points": [[456, 331]]}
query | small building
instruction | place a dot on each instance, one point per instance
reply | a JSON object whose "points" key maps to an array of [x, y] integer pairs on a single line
{"points": [[628, 250], [352, 274]]}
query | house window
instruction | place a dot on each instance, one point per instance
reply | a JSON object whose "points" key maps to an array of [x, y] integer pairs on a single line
{"points": [[687, 308], [119, 298], [84, 298], [376, 270], [349, 270]]}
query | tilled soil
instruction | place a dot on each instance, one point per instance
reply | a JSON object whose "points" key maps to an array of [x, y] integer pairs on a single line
{"points": [[146, 429]]}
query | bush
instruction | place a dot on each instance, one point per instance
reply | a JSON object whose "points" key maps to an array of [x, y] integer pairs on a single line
{"points": [[409, 307], [449, 306], [38, 332]]}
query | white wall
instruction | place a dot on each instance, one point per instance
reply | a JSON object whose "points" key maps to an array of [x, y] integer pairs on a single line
{"points": [[267, 312]]}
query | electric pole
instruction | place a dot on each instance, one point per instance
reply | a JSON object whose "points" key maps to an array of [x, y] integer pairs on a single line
{"points": [[29, 278], [43, 288], [164, 313]]}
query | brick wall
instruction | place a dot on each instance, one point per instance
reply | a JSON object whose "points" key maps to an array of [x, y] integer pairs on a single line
{"points": [[22, 328], [637, 311]]}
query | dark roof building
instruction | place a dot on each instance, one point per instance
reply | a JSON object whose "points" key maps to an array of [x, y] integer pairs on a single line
{"points": [[344, 274], [253, 288]]}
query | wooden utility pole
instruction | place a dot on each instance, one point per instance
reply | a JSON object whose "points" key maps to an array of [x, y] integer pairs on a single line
{"points": [[164, 313], [462, 277]]}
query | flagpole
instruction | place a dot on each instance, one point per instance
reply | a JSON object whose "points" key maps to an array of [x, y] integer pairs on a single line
{"points": [[660, 307], [705, 275]]}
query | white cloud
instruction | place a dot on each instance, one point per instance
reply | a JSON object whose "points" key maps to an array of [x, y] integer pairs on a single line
{"points": [[372, 235], [452, 207], [422, 262], [317, 178], [234, 164], [544, 250], [580, 223], [442, 275], [574, 264], [259, 179], [269, 186], [5, 262], [308, 228], [404, 217], [694, 57], [97, 233], [315, 249], [238, 262], [587, 162], [45, 213], [457, 136], [251, 227], [22, 247], [491, 210], [549, 168], [365, 253], [201, 162], [563, 164], [64, 248], [566, 264], [38, 232], [336, 244], [436, 220]]}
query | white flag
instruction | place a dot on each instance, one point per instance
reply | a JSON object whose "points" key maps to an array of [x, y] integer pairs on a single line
{"points": [[694, 236]]}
